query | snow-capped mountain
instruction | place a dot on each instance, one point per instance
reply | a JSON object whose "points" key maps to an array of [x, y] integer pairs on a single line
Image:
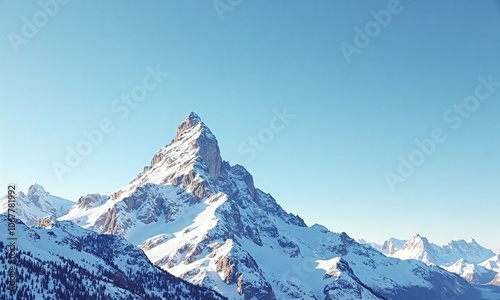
{"points": [[420, 248], [474, 273], [492, 263], [60, 260], [203, 220], [468, 258], [389, 247], [37, 204]]}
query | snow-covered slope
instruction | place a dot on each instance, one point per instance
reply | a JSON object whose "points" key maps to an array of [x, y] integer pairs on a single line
{"points": [[467, 258], [493, 264], [203, 220], [60, 260], [37, 204], [473, 273]]}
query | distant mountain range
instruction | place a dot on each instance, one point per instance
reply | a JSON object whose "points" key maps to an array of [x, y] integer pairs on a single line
{"points": [[468, 259], [202, 220]]}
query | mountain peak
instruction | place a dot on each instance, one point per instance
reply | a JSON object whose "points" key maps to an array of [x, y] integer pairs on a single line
{"points": [[471, 240], [36, 189], [418, 237], [193, 125], [191, 159], [194, 132], [192, 120], [461, 261], [193, 116], [418, 242]]}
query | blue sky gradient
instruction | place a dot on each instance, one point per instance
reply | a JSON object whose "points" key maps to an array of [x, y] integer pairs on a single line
{"points": [[353, 120]]}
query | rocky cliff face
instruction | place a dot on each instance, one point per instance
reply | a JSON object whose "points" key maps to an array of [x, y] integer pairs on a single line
{"points": [[205, 144], [91, 200]]}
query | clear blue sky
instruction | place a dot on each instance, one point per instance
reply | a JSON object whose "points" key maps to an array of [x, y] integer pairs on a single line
{"points": [[353, 120]]}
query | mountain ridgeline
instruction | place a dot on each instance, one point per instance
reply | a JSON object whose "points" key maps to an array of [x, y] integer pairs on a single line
{"points": [[202, 219], [470, 260]]}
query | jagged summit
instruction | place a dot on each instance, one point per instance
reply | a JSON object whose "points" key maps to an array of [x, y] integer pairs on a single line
{"points": [[36, 204], [192, 160], [417, 239], [193, 126], [196, 146], [36, 189], [193, 116], [471, 240]]}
